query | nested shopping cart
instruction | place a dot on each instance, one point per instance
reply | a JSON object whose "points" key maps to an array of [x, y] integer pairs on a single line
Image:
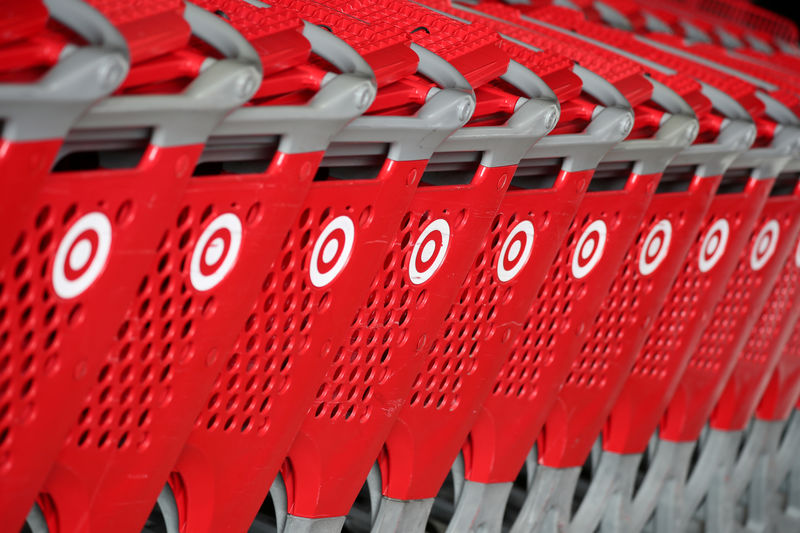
{"points": [[305, 307], [210, 250], [91, 230], [435, 243], [56, 59]]}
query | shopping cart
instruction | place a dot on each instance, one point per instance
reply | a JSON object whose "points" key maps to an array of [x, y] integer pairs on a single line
{"points": [[49, 78], [373, 167], [91, 229], [207, 251]]}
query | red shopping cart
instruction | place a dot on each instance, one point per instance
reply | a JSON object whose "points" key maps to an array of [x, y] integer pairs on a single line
{"points": [[376, 160], [48, 78], [331, 448], [209, 250], [93, 226]]}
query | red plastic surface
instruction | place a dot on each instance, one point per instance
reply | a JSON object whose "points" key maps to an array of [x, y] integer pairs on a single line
{"points": [[209, 250], [753, 363], [687, 309], [783, 389], [620, 328], [553, 330], [735, 315], [74, 266]]}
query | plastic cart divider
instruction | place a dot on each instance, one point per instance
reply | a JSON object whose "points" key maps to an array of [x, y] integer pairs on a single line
{"points": [[76, 258], [38, 108], [323, 454], [184, 279], [216, 460]]}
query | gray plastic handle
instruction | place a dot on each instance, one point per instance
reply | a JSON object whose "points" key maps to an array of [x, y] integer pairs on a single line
{"points": [[675, 133], [735, 136], [507, 144], [610, 125], [416, 137], [48, 107], [310, 128], [769, 161], [188, 117]]}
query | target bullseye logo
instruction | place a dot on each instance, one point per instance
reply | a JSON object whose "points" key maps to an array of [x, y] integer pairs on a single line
{"points": [[655, 247], [429, 251], [516, 251], [216, 251], [713, 246], [589, 249], [81, 255], [332, 250], [765, 244]]}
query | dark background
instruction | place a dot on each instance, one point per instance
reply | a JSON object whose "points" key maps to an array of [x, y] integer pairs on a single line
{"points": [[787, 8]]}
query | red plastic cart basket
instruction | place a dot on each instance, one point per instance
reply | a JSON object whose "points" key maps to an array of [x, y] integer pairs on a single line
{"points": [[333, 454], [215, 485], [55, 61], [93, 227], [206, 252]]}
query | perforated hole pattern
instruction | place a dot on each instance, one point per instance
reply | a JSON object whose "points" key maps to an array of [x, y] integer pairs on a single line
{"points": [[784, 295], [604, 346], [735, 303], [550, 315], [680, 308], [155, 335], [276, 333], [32, 319], [470, 321], [380, 330]]}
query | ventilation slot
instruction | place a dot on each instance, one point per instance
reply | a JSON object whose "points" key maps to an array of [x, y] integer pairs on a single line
{"points": [[785, 184], [676, 179], [353, 161], [734, 181], [237, 155], [537, 174], [102, 150], [610, 177], [461, 173]]}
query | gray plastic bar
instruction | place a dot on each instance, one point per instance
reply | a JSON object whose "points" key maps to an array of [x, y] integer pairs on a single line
{"points": [[674, 134], [47, 108], [311, 127], [507, 144], [611, 125], [188, 117], [416, 137]]}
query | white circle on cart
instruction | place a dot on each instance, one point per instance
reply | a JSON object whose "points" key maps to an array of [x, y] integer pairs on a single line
{"points": [[215, 252], [429, 251], [765, 245], [516, 251], [81, 255], [713, 246], [332, 251], [589, 249], [655, 247]]}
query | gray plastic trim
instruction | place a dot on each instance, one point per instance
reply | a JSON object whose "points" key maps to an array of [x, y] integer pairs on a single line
{"points": [[47, 108], [36, 521], [480, 507], [188, 118], [608, 500], [674, 134], [770, 161], [311, 127], [402, 516], [713, 471], [507, 144], [736, 136], [612, 17], [548, 503], [660, 496], [417, 137], [655, 24]]}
